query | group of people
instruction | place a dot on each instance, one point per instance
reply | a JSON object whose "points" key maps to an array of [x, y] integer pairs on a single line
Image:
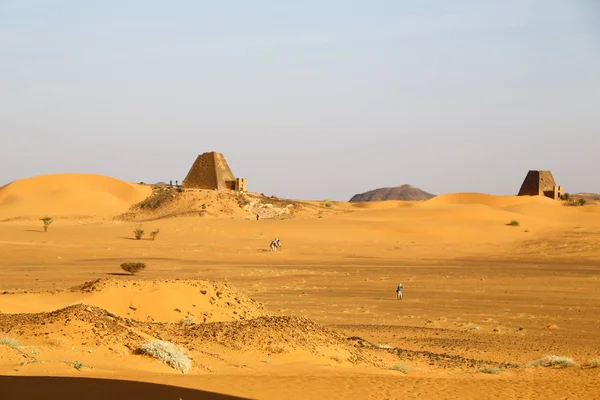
{"points": [[276, 246]]}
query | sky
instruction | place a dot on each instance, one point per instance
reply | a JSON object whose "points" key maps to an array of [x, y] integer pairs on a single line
{"points": [[306, 99]]}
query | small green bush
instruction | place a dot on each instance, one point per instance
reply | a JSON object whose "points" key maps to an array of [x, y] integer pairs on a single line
{"points": [[328, 203], [514, 222], [47, 221], [133, 267], [581, 202], [566, 196]]}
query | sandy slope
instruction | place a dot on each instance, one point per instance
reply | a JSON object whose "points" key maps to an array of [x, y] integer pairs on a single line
{"points": [[161, 301], [68, 195], [487, 199], [477, 293]]}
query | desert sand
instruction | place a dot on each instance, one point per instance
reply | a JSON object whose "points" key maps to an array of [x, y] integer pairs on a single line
{"points": [[483, 300]]}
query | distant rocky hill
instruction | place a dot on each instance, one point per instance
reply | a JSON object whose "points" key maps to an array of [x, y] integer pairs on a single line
{"points": [[403, 192]]}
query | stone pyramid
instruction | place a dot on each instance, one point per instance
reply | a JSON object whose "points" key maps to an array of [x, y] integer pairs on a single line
{"points": [[210, 171], [540, 183]]}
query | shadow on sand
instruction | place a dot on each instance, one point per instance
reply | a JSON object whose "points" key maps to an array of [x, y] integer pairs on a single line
{"points": [[42, 387]]}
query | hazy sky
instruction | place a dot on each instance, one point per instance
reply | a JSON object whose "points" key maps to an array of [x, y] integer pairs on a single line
{"points": [[306, 99]]}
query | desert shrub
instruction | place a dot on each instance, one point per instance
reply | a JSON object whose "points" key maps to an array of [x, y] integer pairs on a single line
{"points": [[328, 203], [158, 198], [514, 222], [566, 196], [400, 368], [490, 370], [47, 221], [167, 353], [554, 362], [243, 200], [133, 267], [276, 348], [581, 202], [10, 342], [338, 358], [154, 233], [138, 233], [187, 320], [75, 364]]}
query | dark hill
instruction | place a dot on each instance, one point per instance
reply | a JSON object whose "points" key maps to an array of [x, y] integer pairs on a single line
{"points": [[403, 192]]}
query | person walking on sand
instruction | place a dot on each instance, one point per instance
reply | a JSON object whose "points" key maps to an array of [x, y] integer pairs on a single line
{"points": [[399, 292]]}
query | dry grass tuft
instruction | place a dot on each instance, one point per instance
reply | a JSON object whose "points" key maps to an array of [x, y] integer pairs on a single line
{"points": [[554, 362], [55, 342], [400, 368], [595, 363], [187, 320], [10, 342], [168, 354], [276, 348], [490, 370]]}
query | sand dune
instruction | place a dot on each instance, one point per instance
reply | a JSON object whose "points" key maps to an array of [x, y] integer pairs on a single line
{"points": [[454, 201], [478, 293], [478, 208], [243, 337], [68, 196], [487, 199], [161, 301], [378, 205]]}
